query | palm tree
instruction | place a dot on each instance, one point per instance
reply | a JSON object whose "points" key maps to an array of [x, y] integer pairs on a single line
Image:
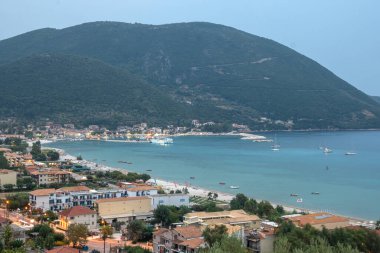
{"points": [[106, 231]]}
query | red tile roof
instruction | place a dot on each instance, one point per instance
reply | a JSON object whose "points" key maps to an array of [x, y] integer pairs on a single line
{"points": [[42, 192], [75, 188], [193, 243], [189, 232], [318, 218], [76, 211]]}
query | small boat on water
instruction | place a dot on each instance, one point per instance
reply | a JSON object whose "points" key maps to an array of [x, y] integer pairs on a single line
{"points": [[315, 193], [326, 150], [234, 187], [300, 200], [275, 146], [122, 162], [350, 153], [148, 170], [192, 177], [162, 141], [222, 183], [294, 195]]}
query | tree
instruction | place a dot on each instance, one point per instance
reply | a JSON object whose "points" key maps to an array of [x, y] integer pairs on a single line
{"points": [[238, 201], [250, 206], [106, 231], [8, 187], [52, 155], [36, 149], [19, 200], [215, 196], [7, 236], [77, 233], [226, 245], [215, 234], [162, 215], [378, 224], [135, 230]]}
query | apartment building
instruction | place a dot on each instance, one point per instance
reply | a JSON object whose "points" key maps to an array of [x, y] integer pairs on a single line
{"points": [[7, 177], [78, 215]]}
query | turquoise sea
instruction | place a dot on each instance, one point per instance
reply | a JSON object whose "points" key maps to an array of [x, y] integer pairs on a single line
{"points": [[348, 185]]}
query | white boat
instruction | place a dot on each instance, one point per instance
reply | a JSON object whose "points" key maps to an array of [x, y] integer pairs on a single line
{"points": [[326, 150], [275, 146], [350, 153], [234, 187], [162, 141], [300, 200]]}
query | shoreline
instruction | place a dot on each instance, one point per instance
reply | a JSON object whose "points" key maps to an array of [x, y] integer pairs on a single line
{"points": [[195, 190]]}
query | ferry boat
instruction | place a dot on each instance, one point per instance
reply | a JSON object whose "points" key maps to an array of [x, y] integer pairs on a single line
{"points": [[162, 141], [234, 187]]}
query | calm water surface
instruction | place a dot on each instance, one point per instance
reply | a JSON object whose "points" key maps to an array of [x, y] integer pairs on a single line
{"points": [[350, 185]]}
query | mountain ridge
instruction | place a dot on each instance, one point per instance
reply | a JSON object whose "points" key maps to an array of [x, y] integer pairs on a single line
{"points": [[245, 78]]}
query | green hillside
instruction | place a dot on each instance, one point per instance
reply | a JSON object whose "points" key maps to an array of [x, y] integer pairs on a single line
{"points": [[377, 99], [220, 72], [83, 91]]}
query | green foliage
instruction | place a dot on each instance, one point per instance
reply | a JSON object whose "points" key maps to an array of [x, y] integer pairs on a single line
{"points": [[131, 249], [227, 75], [18, 200], [119, 176], [52, 155], [77, 234], [262, 209], [226, 245], [3, 161], [16, 144], [318, 245], [136, 230], [215, 234], [166, 215], [106, 232], [303, 238]]}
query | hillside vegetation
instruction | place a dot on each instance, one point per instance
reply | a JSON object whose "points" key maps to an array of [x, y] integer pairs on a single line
{"points": [[210, 72]]}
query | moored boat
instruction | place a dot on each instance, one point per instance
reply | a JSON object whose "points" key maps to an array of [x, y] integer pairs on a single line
{"points": [[234, 187]]}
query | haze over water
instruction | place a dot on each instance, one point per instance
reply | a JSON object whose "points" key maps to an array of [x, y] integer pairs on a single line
{"points": [[350, 186]]}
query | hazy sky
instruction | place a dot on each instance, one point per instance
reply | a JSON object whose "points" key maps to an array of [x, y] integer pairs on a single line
{"points": [[342, 35]]}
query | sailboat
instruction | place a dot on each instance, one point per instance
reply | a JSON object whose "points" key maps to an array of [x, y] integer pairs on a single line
{"points": [[275, 146], [326, 150]]}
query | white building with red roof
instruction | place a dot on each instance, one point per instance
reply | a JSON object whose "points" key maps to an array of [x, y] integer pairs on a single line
{"points": [[78, 215]]}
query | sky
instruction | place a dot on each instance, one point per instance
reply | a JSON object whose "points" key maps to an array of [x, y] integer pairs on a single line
{"points": [[342, 35]]}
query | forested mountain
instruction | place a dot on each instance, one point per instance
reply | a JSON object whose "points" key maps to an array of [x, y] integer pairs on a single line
{"points": [[212, 71], [377, 99], [83, 91]]}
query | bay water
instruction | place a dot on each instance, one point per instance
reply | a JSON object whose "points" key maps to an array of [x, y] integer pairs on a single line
{"points": [[347, 184]]}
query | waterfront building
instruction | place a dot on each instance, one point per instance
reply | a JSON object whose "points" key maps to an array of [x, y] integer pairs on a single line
{"points": [[170, 200], [234, 217], [78, 215], [7, 177], [319, 220], [48, 176], [124, 209], [180, 239]]}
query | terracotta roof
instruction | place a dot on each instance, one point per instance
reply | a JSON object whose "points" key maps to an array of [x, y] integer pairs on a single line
{"points": [[76, 211], [63, 249], [75, 188], [193, 243], [317, 218], [122, 199], [160, 231], [4, 171], [189, 232], [5, 150], [141, 188], [42, 192], [49, 171]]}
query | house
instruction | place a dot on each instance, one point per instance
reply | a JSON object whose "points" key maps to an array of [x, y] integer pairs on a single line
{"points": [[14, 159], [170, 200], [124, 209], [40, 199], [78, 215], [234, 217], [319, 220], [180, 239], [7, 177], [48, 176]]}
